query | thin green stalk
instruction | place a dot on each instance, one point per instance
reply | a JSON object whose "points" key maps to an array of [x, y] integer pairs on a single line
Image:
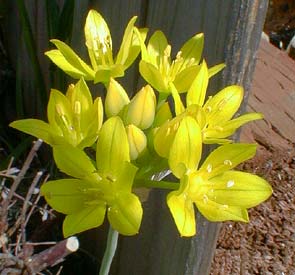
{"points": [[109, 252], [156, 184]]}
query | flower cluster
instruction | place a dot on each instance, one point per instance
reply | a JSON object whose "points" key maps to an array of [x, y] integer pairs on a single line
{"points": [[164, 126]]}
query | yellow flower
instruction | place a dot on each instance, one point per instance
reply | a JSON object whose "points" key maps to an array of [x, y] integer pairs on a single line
{"points": [[219, 193], [100, 51], [97, 189], [73, 118]]}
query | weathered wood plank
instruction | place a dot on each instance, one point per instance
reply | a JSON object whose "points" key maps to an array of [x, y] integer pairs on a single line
{"points": [[232, 30]]}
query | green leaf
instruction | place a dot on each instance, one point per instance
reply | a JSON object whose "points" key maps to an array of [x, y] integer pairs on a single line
{"points": [[239, 189], [216, 212], [116, 98], [141, 110], [197, 92], [186, 149], [152, 76], [223, 105], [112, 147], [73, 161], [192, 49], [125, 214], [216, 69], [83, 220], [36, 128], [73, 59], [183, 80], [225, 158], [66, 195], [156, 47], [182, 210]]}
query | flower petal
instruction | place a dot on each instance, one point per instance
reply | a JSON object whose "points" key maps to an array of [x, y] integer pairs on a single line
{"points": [[239, 189], [192, 49], [152, 76], [60, 61], [183, 80], [163, 114], [83, 220], [156, 47], [125, 214], [73, 161], [103, 74], [225, 158], [197, 92], [66, 195], [97, 35], [36, 128], [186, 149], [112, 147], [216, 212], [72, 58], [222, 106], [229, 127], [182, 210], [216, 69]]}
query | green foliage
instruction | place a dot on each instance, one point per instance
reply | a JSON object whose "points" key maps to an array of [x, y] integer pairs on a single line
{"points": [[141, 136]]}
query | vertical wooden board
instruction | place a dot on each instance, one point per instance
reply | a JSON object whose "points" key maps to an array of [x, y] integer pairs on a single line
{"points": [[232, 30]]}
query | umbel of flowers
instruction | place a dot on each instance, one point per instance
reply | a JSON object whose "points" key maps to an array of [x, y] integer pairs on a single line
{"points": [[136, 138]]}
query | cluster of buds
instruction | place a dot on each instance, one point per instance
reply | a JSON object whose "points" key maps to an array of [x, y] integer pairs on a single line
{"points": [[163, 127]]}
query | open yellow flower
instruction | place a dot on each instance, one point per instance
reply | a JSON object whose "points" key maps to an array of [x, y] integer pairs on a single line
{"points": [[164, 74], [73, 118], [96, 189], [219, 193], [100, 51]]}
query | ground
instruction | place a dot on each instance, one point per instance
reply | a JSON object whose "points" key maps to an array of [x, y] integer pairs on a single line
{"points": [[266, 245]]}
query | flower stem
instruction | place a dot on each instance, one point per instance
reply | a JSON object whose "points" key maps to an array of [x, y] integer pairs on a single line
{"points": [[156, 184], [109, 252]]}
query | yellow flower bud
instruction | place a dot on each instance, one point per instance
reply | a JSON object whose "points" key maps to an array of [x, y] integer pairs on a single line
{"points": [[141, 110], [137, 141], [116, 98]]}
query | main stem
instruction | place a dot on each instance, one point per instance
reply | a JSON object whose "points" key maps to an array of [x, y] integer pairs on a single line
{"points": [[110, 251]]}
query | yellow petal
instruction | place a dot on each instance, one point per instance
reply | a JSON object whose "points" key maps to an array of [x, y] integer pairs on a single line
{"points": [[197, 92], [186, 149], [239, 189], [137, 141], [225, 158]]}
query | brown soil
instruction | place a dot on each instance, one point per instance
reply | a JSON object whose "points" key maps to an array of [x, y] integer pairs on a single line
{"points": [[267, 244]]}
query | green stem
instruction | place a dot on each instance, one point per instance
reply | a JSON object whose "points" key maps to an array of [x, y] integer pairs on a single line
{"points": [[109, 252], [162, 99], [156, 184]]}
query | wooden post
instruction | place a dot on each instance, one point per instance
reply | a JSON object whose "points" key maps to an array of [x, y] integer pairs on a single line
{"points": [[232, 33]]}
